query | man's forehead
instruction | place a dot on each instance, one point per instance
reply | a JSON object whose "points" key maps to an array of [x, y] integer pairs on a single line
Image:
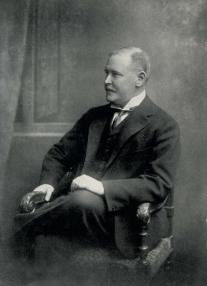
{"points": [[124, 56], [122, 60]]}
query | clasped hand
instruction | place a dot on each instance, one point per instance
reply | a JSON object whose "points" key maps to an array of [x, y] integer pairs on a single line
{"points": [[82, 182], [88, 183], [46, 189]]}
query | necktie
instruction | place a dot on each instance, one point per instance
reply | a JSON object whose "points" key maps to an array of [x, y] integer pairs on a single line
{"points": [[120, 115]]}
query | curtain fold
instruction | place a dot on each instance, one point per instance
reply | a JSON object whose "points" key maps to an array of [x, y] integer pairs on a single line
{"points": [[14, 17]]}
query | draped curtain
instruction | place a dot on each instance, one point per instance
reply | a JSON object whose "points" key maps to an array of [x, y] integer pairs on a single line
{"points": [[14, 16]]}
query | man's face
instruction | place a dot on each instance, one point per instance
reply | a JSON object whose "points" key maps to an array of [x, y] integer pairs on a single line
{"points": [[120, 80]]}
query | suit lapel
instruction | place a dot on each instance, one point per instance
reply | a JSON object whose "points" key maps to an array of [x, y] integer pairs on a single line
{"points": [[134, 123], [95, 132]]}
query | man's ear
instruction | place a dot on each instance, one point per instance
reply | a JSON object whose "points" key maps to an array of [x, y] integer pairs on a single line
{"points": [[141, 78]]}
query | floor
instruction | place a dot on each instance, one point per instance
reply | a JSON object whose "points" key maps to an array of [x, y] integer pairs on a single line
{"points": [[56, 267]]}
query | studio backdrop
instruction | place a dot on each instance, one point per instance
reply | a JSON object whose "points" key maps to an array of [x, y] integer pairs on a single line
{"points": [[52, 70]]}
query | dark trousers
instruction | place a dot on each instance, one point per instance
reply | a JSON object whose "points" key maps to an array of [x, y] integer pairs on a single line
{"points": [[81, 216]]}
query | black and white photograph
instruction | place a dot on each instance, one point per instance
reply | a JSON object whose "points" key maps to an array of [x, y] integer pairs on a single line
{"points": [[103, 135]]}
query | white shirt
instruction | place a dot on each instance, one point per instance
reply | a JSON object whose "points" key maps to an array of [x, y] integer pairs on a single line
{"points": [[133, 102]]}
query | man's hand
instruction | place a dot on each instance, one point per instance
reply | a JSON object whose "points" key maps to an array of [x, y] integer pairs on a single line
{"points": [[46, 189], [88, 183]]}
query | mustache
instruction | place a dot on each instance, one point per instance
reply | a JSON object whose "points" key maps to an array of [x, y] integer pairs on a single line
{"points": [[109, 88]]}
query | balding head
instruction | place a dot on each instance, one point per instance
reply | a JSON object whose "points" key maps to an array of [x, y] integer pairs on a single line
{"points": [[127, 71], [139, 58]]}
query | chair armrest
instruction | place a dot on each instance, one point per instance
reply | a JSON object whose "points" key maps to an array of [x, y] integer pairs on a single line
{"points": [[143, 213], [31, 201]]}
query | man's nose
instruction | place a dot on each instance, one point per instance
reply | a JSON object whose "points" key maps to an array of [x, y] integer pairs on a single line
{"points": [[108, 79]]}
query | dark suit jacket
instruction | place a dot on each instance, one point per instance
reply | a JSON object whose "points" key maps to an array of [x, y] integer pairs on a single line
{"points": [[141, 167]]}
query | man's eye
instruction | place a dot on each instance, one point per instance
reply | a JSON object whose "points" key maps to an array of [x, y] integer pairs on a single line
{"points": [[114, 74]]}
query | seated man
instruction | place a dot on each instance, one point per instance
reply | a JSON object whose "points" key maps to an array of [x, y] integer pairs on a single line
{"points": [[115, 157]]}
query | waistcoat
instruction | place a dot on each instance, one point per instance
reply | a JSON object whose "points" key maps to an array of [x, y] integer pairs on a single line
{"points": [[108, 141]]}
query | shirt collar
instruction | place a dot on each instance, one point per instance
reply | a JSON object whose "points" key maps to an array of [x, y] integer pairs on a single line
{"points": [[134, 101]]}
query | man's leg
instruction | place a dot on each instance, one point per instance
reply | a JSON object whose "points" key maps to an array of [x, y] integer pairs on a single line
{"points": [[85, 214], [80, 216]]}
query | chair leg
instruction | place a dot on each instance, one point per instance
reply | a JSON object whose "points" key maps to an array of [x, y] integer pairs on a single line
{"points": [[143, 248], [168, 262]]}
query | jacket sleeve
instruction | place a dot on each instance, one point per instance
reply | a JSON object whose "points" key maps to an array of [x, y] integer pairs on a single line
{"points": [[65, 155], [157, 179]]}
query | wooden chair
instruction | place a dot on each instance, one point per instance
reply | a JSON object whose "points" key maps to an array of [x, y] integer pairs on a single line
{"points": [[140, 270], [149, 261], [162, 253]]}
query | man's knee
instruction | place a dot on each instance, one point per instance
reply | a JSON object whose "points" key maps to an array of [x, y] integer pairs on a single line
{"points": [[86, 201]]}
